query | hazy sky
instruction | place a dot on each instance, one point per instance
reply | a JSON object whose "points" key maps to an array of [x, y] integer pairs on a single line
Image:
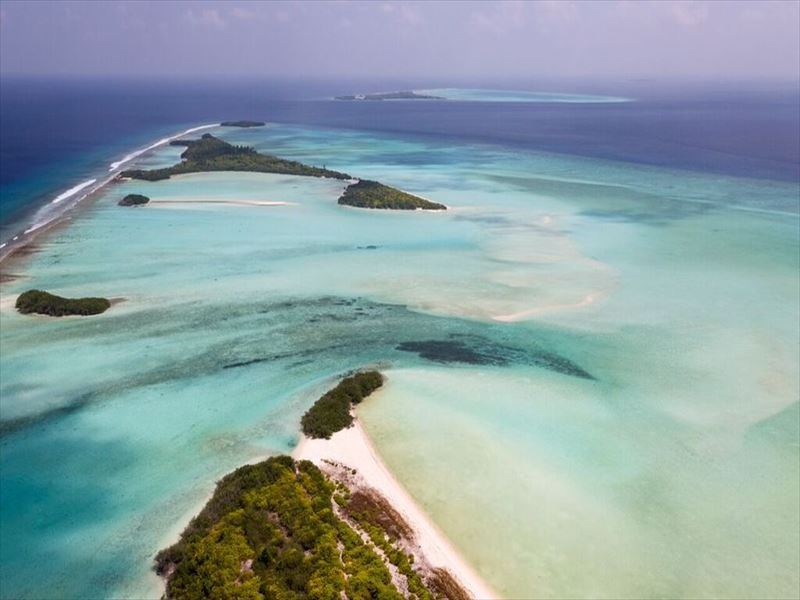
{"points": [[663, 39]]}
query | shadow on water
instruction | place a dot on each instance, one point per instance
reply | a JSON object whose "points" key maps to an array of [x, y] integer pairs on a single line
{"points": [[47, 497]]}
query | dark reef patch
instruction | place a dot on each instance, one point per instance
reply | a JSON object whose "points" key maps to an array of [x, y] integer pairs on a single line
{"points": [[475, 350], [314, 337], [449, 351]]}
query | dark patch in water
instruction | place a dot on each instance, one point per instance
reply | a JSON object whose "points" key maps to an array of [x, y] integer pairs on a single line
{"points": [[448, 351], [9, 426], [474, 350]]}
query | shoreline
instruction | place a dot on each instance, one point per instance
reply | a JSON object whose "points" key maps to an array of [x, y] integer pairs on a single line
{"points": [[353, 449], [12, 246]]}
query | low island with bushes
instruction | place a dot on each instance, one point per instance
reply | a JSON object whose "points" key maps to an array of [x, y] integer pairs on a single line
{"points": [[402, 95], [282, 529], [134, 200], [243, 123], [331, 413], [210, 153], [45, 303], [371, 194]]}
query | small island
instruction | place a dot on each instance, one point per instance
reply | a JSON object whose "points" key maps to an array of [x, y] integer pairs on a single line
{"points": [[331, 413], [133, 200], [283, 528], [371, 194], [210, 153], [243, 123], [403, 95], [45, 303]]}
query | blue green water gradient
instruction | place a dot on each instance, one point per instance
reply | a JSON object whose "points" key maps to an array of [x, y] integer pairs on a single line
{"points": [[609, 407]]}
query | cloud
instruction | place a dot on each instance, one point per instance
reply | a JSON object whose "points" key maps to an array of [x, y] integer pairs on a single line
{"points": [[402, 12], [689, 13], [556, 10], [501, 18], [208, 17], [243, 13]]}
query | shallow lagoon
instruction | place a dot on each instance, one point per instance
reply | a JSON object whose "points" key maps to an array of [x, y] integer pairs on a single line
{"points": [[632, 420]]}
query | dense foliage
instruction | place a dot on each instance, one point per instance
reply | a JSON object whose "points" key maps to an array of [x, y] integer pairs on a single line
{"points": [[269, 531], [210, 153], [405, 95], [371, 194], [44, 303], [331, 412], [134, 200], [243, 123]]}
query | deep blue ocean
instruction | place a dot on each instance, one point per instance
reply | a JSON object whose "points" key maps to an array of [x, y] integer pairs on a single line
{"points": [[56, 133]]}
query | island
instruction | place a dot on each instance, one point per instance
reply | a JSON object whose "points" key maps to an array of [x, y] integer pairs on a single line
{"points": [[243, 123], [403, 95], [331, 413], [371, 194], [133, 200], [45, 303], [210, 153], [283, 528]]}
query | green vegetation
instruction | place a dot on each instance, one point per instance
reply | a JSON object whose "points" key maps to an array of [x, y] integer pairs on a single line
{"points": [[243, 123], [385, 528], [270, 531], [210, 153], [371, 194], [134, 200], [405, 95], [44, 303], [331, 412]]}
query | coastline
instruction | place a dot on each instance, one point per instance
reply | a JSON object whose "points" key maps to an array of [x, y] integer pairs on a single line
{"points": [[353, 449], [12, 247]]}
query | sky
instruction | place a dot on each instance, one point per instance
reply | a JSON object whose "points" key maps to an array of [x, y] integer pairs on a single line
{"points": [[718, 40]]}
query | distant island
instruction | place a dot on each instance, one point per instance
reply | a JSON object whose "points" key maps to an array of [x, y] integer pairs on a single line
{"points": [[371, 194], [242, 123], [282, 528], [134, 200], [404, 95], [210, 153], [45, 303]]}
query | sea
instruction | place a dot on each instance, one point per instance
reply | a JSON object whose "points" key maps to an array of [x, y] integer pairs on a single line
{"points": [[591, 356]]}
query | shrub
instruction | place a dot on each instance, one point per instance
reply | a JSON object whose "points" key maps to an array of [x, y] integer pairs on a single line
{"points": [[371, 194], [134, 200], [45, 303], [331, 413]]}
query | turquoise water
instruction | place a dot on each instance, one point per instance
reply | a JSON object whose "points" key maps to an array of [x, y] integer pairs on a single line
{"points": [[598, 394]]}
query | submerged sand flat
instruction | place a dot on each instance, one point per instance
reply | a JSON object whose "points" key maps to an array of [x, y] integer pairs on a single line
{"points": [[640, 444]]}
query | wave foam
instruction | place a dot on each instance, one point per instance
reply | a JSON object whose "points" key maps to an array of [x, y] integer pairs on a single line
{"points": [[72, 191], [128, 157]]}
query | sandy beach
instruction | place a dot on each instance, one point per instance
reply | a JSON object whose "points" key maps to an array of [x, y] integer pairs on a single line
{"points": [[352, 448]]}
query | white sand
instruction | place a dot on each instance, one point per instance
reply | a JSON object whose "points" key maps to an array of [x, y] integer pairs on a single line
{"points": [[352, 448], [240, 202]]}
